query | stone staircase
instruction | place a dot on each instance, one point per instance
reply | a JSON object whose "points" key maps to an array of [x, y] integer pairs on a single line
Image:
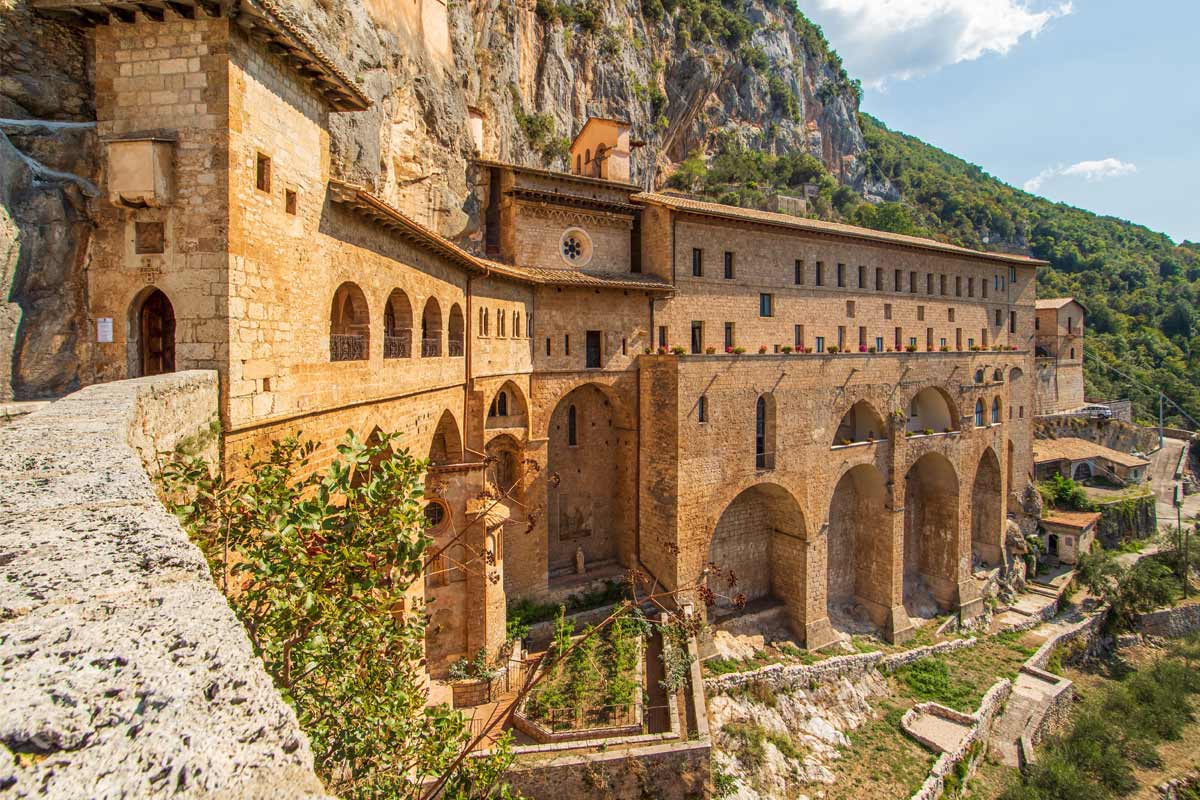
{"points": [[1030, 698]]}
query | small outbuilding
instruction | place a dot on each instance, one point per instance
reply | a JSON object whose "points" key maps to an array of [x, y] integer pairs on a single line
{"points": [[1067, 534], [1080, 460]]}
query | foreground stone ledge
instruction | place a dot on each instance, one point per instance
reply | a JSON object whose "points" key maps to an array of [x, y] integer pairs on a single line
{"points": [[123, 671]]}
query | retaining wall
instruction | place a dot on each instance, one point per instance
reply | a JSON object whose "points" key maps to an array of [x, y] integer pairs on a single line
{"points": [[982, 720], [1171, 622], [125, 672], [800, 675]]}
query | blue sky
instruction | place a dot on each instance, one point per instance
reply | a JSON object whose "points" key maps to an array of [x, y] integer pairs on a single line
{"points": [[1092, 102]]}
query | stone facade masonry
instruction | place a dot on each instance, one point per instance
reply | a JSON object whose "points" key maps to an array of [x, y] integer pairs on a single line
{"points": [[321, 317]]}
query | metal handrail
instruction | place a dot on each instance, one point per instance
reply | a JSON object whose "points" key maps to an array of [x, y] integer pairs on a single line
{"points": [[431, 348], [398, 345], [347, 347]]}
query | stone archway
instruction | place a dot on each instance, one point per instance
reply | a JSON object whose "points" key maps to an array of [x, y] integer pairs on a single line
{"points": [[446, 445], [931, 531], [931, 410], [504, 472], [861, 423], [589, 464], [987, 518], [760, 542], [858, 552]]}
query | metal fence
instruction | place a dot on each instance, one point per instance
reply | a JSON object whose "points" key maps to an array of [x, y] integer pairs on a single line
{"points": [[398, 346], [347, 347], [456, 348], [431, 348]]}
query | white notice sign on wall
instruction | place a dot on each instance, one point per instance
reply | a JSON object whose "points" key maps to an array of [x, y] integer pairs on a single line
{"points": [[104, 330]]}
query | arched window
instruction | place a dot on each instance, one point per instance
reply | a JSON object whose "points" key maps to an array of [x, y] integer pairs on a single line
{"points": [[517, 324], [764, 432], [431, 329], [979, 376], [1072, 353], [998, 376], [979, 414], [349, 324], [500, 331], [702, 409], [397, 326], [587, 156], [502, 404], [572, 433], [483, 322], [996, 411], [578, 163]]}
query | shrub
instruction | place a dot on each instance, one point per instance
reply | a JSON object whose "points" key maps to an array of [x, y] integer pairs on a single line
{"points": [[930, 679]]}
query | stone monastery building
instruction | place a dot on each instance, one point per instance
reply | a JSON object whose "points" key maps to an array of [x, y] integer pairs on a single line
{"points": [[855, 464]]}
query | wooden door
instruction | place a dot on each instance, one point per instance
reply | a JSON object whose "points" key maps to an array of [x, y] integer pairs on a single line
{"points": [[157, 335]]}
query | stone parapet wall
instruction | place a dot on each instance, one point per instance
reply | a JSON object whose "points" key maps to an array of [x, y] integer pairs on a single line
{"points": [[126, 674]]}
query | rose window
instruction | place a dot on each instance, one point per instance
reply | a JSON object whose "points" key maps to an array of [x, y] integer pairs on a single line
{"points": [[572, 248], [576, 247]]}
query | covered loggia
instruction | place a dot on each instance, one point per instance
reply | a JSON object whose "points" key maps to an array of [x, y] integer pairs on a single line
{"points": [[861, 423]]}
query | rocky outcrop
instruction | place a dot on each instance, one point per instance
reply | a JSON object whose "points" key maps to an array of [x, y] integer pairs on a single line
{"points": [[126, 674]]}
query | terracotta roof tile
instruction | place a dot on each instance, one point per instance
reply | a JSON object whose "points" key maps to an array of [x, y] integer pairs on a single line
{"points": [[687, 204], [1072, 449], [576, 277], [1072, 519]]}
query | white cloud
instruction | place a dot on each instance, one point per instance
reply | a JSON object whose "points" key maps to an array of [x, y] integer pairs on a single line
{"points": [[1091, 171], [882, 40]]}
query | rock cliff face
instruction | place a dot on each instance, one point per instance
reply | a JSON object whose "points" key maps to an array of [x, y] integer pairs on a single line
{"points": [[536, 69]]}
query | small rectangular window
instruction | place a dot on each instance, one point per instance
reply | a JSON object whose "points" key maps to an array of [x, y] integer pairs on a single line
{"points": [[624, 346], [942, 342], [983, 287], [898, 281], [798, 334], [697, 338], [1037, 324], [841, 276], [820, 344], [593, 350], [929, 338], [1012, 322], [912, 341], [887, 310], [899, 336], [566, 344], [879, 279], [999, 317], [862, 277], [702, 409], [149, 238], [970, 287], [728, 335], [1012, 275], [970, 343], [766, 305], [697, 262], [850, 309], [912, 282], [820, 273], [958, 285], [798, 278], [662, 335], [728, 265], [958, 338], [289, 201], [942, 284], [929, 283], [862, 336], [841, 337], [920, 313], [262, 173], [950, 315], [878, 344], [1021, 412], [547, 345]]}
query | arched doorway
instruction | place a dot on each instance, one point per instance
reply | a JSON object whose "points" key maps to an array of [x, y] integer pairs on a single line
{"points": [[760, 542], [589, 494], [861, 423], [1083, 471], [156, 335], [987, 527], [931, 529], [858, 552]]}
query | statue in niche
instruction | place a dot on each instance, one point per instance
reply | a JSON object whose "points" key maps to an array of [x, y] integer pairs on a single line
{"points": [[575, 523]]}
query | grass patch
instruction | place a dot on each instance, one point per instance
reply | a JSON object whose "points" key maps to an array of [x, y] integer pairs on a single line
{"points": [[930, 680]]}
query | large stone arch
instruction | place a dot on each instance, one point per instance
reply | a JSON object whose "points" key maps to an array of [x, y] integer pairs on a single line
{"points": [[931, 533], [860, 423], [589, 461], [987, 517], [760, 541], [933, 409], [858, 552]]}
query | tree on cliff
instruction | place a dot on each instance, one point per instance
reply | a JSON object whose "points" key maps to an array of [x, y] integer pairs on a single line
{"points": [[319, 567]]}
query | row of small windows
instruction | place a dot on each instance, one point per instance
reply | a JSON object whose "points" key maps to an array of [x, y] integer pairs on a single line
{"points": [[350, 327], [934, 284], [502, 318], [262, 182], [865, 342], [766, 308]]}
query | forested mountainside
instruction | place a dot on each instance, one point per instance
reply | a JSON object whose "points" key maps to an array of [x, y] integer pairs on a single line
{"points": [[735, 100]]}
